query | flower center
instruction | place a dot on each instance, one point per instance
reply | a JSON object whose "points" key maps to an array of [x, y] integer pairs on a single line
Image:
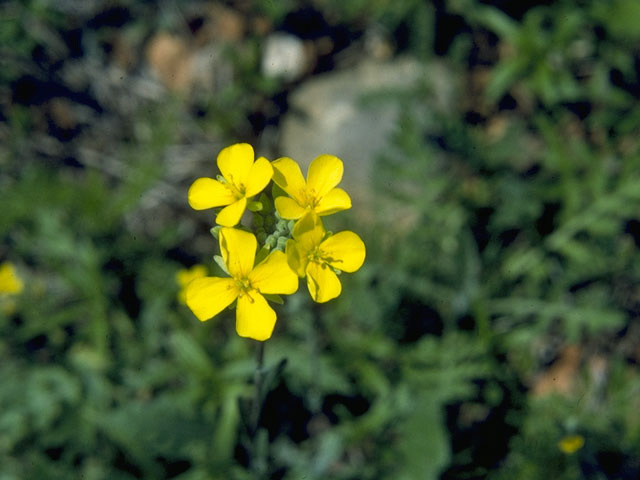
{"points": [[316, 256], [239, 190], [310, 198], [244, 285]]}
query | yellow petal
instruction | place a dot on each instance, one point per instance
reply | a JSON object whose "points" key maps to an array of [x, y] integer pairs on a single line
{"points": [[288, 208], [182, 296], [296, 258], [287, 175], [231, 215], [259, 177], [334, 201], [325, 172], [238, 251], [571, 444], [185, 275], [208, 193], [344, 251], [308, 232], [322, 282], [235, 163], [254, 317], [273, 275], [10, 282], [208, 296]]}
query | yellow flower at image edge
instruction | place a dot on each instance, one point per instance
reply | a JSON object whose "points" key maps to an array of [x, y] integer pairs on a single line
{"points": [[208, 296], [317, 194], [10, 282], [310, 254], [571, 444], [185, 276], [243, 178]]}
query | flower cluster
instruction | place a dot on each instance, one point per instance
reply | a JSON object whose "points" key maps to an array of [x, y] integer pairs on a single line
{"points": [[287, 239]]}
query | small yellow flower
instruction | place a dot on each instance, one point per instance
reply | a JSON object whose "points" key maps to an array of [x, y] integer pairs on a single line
{"points": [[571, 444], [208, 296], [317, 194], [243, 178], [310, 254], [10, 282], [185, 276]]}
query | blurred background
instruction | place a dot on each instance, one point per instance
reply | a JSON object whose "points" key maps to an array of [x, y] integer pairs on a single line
{"points": [[492, 151]]}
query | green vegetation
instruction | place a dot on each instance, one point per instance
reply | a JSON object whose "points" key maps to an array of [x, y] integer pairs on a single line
{"points": [[503, 318]]}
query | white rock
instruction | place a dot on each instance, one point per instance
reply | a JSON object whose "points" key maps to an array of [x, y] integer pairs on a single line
{"points": [[283, 57]]}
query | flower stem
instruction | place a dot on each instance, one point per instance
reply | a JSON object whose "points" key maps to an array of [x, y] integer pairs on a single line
{"points": [[258, 379], [258, 455]]}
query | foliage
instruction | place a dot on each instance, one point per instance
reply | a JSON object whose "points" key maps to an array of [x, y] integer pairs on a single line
{"points": [[509, 231]]}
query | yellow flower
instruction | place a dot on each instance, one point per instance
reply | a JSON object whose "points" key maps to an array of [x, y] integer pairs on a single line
{"points": [[571, 444], [317, 194], [10, 283], [310, 254], [185, 276], [208, 296], [242, 179]]}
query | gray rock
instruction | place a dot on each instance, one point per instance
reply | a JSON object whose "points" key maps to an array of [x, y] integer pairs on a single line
{"points": [[347, 114]]}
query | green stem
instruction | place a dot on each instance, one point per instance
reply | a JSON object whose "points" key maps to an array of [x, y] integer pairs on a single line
{"points": [[258, 460], [258, 380]]}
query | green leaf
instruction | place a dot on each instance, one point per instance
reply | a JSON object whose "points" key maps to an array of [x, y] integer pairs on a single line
{"points": [[262, 254], [191, 354], [214, 231], [503, 76], [220, 262], [423, 439], [497, 21], [275, 298]]}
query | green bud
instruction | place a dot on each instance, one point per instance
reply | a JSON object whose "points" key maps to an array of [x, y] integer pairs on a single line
{"points": [[262, 237], [281, 243], [254, 206], [258, 221]]}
